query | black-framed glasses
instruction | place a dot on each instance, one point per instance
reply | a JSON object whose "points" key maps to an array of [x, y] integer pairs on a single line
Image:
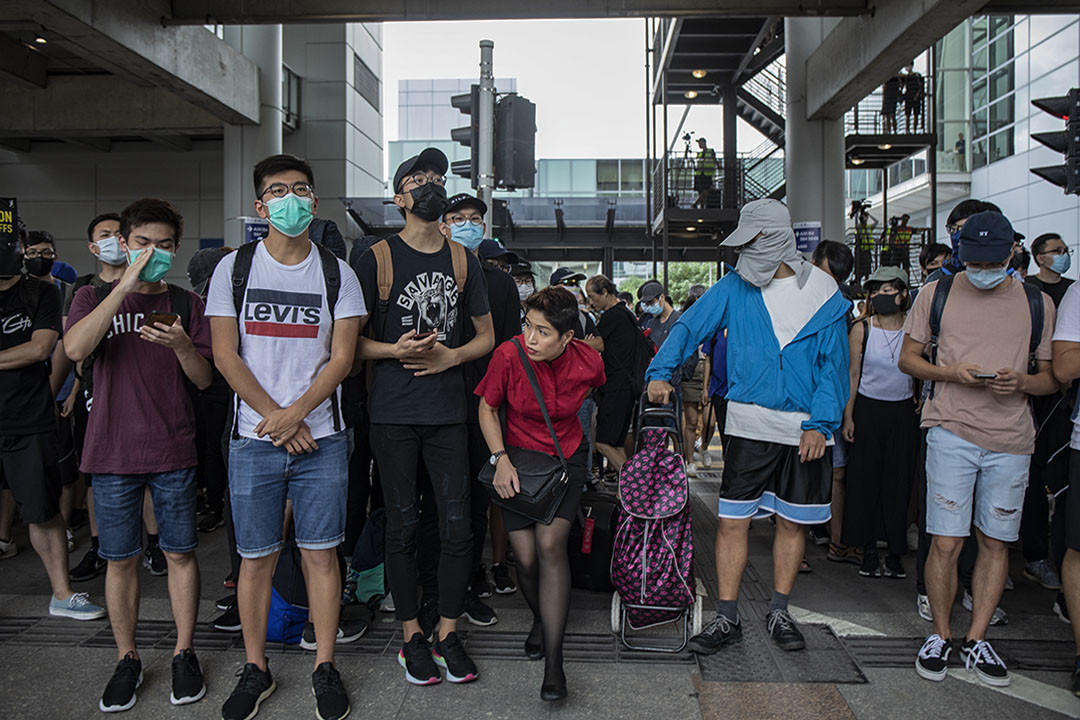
{"points": [[47, 254], [278, 190], [460, 222], [422, 179], [1058, 251]]}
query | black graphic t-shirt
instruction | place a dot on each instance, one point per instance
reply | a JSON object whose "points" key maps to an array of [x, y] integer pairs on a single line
{"points": [[424, 298], [25, 395]]}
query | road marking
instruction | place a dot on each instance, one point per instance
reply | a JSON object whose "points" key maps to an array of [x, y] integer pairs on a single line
{"points": [[842, 628], [1031, 691]]}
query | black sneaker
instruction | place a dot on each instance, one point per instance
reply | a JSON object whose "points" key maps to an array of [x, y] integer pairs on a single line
{"points": [[229, 621], [428, 617], [716, 634], [348, 631], [331, 701], [451, 656], [119, 694], [478, 612], [933, 660], [225, 602], [89, 567], [254, 686], [478, 582], [894, 568], [187, 678], [781, 628], [981, 659], [154, 560], [415, 657], [504, 584], [352, 625], [870, 566], [211, 521], [307, 638]]}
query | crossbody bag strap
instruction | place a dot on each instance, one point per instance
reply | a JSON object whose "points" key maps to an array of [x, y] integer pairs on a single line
{"points": [[540, 400]]}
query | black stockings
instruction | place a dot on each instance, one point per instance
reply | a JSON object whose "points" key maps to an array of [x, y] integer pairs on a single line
{"points": [[543, 574]]}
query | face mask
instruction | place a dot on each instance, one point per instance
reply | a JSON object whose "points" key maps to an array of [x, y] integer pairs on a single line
{"points": [[429, 202], [885, 304], [525, 290], [1061, 264], [654, 309], [10, 260], [987, 279], [290, 214], [39, 266], [469, 235], [955, 239], [110, 252], [160, 263]]}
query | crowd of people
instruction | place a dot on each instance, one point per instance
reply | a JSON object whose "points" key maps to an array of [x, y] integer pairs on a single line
{"points": [[381, 417]]}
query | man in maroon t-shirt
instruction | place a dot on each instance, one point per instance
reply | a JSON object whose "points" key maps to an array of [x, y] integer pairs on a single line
{"points": [[141, 433]]}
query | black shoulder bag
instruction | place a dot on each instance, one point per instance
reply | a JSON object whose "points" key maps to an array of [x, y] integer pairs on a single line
{"points": [[543, 478]]}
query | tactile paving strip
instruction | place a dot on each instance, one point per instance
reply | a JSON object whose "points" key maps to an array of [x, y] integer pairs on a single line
{"points": [[1030, 655], [755, 658]]}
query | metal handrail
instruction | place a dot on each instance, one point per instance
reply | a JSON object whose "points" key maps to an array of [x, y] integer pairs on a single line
{"points": [[867, 118], [770, 87]]}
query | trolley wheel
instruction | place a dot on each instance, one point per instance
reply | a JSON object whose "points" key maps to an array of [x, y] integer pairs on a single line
{"points": [[697, 611], [616, 613]]}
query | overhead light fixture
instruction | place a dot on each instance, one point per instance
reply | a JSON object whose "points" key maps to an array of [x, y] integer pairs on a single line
{"points": [[886, 146], [690, 94], [699, 74], [691, 228], [40, 40], [857, 161], [700, 220]]}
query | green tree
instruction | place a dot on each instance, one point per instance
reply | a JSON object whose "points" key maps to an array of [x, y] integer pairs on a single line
{"points": [[681, 275], [631, 284]]}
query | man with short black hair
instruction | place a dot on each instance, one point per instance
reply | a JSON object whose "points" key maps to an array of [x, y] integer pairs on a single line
{"points": [[660, 314], [616, 340], [145, 341]]}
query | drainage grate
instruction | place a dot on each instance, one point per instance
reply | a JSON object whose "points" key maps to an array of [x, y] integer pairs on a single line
{"points": [[1030, 655], [756, 659]]}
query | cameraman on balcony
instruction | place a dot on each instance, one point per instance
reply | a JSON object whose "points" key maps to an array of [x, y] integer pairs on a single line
{"points": [[705, 171]]}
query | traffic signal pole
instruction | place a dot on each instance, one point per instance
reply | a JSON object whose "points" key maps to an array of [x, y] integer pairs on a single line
{"points": [[486, 140]]}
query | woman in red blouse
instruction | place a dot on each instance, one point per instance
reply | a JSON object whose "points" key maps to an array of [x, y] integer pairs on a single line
{"points": [[567, 370]]}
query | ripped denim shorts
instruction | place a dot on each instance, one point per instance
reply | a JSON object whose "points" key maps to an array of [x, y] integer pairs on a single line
{"points": [[965, 482]]}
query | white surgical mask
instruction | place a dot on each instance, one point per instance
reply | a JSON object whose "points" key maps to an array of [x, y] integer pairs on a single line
{"points": [[110, 252], [525, 290]]}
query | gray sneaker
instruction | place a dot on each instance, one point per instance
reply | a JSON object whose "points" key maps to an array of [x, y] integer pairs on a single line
{"points": [[1042, 572], [76, 607]]}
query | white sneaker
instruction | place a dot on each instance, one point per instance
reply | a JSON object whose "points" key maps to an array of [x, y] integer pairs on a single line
{"points": [[706, 460], [691, 470], [923, 606], [387, 604], [70, 540], [8, 548], [998, 618]]}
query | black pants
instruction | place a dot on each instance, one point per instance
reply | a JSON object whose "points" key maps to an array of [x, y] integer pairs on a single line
{"points": [[430, 544], [211, 419], [399, 450], [881, 468], [1055, 428], [365, 494]]}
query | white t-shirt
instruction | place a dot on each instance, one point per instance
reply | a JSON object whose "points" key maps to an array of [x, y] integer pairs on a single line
{"points": [[286, 329], [790, 308], [1068, 330]]}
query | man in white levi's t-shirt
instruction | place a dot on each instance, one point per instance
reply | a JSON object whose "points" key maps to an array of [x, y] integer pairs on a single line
{"points": [[284, 351]]}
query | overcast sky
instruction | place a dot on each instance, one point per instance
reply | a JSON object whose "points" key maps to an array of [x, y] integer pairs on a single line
{"points": [[587, 78]]}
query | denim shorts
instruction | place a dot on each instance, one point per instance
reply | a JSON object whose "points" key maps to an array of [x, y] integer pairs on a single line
{"points": [[963, 479], [118, 503], [262, 477]]}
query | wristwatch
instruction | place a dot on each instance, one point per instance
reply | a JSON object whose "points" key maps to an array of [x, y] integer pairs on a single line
{"points": [[494, 460]]}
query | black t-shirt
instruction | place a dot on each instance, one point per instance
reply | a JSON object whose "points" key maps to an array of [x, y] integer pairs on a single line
{"points": [[505, 317], [583, 329], [618, 329], [1055, 291], [424, 297], [25, 395]]}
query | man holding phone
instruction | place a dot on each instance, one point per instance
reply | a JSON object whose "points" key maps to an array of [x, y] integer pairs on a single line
{"points": [[141, 434], [981, 434]]}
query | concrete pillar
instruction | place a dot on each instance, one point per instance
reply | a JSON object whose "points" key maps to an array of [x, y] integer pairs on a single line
{"points": [[731, 149], [246, 145], [814, 152]]}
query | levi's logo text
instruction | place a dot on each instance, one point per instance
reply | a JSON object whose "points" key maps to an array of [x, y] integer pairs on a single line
{"points": [[280, 313]]}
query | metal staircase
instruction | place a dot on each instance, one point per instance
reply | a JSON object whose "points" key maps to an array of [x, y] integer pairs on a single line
{"points": [[762, 101]]}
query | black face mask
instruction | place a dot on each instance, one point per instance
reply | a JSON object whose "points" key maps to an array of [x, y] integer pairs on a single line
{"points": [[39, 266], [10, 260], [429, 202], [886, 304]]}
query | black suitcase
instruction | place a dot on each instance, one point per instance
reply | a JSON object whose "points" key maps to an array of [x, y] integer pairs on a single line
{"points": [[590, 558]]}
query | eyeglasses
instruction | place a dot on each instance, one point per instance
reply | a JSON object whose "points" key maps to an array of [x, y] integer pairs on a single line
{"points": [[1058, 251], [300, 189], [47, 254], [420, 180], [460, 222]]}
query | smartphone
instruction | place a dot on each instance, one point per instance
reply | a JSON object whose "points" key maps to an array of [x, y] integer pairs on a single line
{"points": [[423, 335], [164, 319], [985, 376]]}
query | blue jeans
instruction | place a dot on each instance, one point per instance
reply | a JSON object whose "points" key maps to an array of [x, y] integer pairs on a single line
{"points": [[585, 415], [262, 477], [118, 504], [963, 479]]}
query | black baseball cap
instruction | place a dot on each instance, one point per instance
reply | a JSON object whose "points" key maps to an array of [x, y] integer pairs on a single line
{"points": [[987, 236], [649, 291], [462, 199], [521, 267], [428, 159], [565, 275], [489, 249]]}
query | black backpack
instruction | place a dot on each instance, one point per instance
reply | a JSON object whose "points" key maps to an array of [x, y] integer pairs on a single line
{"points": [[937, 309], [179, 303], [240, 274]]}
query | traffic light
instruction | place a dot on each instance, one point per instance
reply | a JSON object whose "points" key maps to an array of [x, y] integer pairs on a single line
{"points": [[1066, 107], [468, 103], [515, 143]]}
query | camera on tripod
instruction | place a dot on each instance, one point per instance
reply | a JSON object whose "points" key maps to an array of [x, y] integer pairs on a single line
{"points": [[858, 207], [686, 137]]}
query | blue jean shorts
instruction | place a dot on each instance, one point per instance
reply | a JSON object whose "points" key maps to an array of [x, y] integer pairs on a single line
{"points": [[118, 504], [262, 477], [964, 480]]}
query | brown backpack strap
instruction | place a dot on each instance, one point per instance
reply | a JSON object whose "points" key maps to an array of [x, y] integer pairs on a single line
{"points": [[460, 261], [384, 269]]}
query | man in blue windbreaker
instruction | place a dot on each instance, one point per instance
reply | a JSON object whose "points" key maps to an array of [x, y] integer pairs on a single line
{"points": [[787, 360]]}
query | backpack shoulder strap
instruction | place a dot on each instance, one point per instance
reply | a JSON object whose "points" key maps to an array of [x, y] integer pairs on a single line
{"points": [[102, 291], [240, 273], [460, 261], [30, 291], [937, 309], [180, 302], [1037, 308], [332, 276], [384, 269]]}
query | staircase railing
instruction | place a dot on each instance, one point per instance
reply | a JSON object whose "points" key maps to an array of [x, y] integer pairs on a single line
{"points": [[770, 86]]}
